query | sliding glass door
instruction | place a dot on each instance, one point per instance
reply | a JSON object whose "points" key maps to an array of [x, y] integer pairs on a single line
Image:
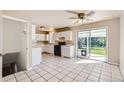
{"points": [[92, 44], [83, 44]]}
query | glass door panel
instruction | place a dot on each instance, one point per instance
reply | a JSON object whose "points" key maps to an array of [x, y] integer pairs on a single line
{"points": [[98, 44], [83, 44]]}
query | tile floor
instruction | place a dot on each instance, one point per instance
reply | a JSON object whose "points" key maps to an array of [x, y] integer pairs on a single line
{"points": [[57, 69]]}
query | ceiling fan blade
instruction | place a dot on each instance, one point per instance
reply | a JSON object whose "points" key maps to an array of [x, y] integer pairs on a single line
{"points": [[76, 21], [90, 13], [72, 12], [88, 19], [73, 18]]}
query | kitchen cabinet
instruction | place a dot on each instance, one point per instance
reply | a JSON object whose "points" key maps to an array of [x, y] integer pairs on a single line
{"points": [[67, 51], [67, 35], [43, 48], [36, 56], [46, 48], [51, 37], [42, 37], [49, 48], [56, 36]]}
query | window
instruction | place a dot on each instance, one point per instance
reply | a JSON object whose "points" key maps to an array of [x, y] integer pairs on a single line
{"points": [[33, 33]]}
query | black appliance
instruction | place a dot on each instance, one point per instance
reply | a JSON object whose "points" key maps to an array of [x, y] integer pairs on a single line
{"points": [[57, 50]]}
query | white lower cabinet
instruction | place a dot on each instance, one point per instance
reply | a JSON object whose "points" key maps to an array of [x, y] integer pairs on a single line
{"points": [[51, 49], [48, 48], [67, 51], [36, 56]]}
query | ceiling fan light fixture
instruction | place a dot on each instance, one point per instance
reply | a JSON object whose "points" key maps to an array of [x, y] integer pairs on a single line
{"points": [[82, 17]]}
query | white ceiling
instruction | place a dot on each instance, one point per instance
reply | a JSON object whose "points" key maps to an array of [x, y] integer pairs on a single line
{"points": [[58, 18]]}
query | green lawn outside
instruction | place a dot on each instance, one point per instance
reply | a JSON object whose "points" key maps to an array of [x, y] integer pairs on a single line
{"points": [[98, 51]]}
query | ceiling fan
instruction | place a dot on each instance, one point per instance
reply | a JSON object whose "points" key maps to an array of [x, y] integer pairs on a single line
{"points": [[81, 17]]}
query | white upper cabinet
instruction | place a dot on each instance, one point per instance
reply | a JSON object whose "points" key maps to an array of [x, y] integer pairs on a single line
{"points": [[56, 36], [66, 34], [51, 37], [42, 37]]}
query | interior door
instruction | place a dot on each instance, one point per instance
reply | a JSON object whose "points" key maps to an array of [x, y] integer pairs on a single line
{"points": [[0, 45]]}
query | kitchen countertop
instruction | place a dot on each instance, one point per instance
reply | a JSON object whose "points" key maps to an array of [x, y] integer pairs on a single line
{"points": [[36, 45]]}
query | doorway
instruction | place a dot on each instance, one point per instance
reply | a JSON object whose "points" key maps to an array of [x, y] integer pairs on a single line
{"points": [[92, 44], [14, 52]]}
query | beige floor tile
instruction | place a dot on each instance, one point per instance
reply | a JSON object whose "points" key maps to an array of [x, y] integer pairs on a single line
{"points": [[59, 75], [80, 79], [11, 80], [38, 70], [67, 79], [106, 74], [82, 74], [48, 76], [21, 77], [53, 79], [8, 77], [35, 76], [65, 72], [88, 80], [102, 80], [39, 80], [25, 80], [93, 78], [53, 72], [107, 78], [42, 73], [95, 74], [76, 71], [72, 75], [30, 72], [20, 73]]}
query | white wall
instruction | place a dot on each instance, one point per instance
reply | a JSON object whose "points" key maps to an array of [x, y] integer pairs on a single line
{"points": [[11, 34], [14, 40], [122, 43]]}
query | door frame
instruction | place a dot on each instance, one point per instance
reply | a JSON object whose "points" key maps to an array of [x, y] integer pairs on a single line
{"points": [[1, 41], [28, 39], [107, 36]]}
